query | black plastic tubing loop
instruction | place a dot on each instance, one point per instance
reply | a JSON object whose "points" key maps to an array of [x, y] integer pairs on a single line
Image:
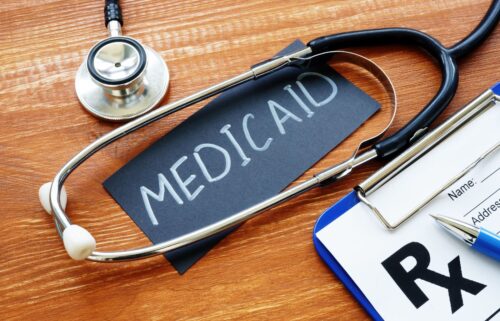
{"points": [[401, 36]]}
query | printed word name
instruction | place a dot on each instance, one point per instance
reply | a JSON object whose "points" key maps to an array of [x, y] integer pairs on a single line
{"points": [[453, 195]]}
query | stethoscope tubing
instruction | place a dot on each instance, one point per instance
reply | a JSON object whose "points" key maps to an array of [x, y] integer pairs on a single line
{"points": [[384, 148]]}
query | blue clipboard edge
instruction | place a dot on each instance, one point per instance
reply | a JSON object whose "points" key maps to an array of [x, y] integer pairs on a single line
{"points": [[339, 208], [496, 88]]}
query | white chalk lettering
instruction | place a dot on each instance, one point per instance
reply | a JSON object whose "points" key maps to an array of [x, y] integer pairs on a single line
{"points": [[244, 157], [146, 193], [280, 121], [203, 167], [249, 137], [299, 101], [308, 94], [183, 184], [306, 102]]}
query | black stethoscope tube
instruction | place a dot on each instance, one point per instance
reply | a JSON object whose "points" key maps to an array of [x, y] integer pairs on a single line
{"points": [[445, 57]]}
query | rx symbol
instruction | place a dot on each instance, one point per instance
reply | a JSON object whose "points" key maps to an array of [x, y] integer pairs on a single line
{"points": [[455, 283]]}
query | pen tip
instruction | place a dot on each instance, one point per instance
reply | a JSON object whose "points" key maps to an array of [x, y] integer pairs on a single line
{"points": [[441, 219]]}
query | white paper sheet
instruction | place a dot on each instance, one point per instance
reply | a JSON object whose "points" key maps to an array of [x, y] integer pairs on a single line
{"points": [[360, 242]]}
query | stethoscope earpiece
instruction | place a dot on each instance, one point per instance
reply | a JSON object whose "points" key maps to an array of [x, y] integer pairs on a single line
{"points": [[78, 242], [121, 79]]}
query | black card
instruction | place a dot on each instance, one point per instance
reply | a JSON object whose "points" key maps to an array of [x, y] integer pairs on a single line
{"points": [[246, 145]]}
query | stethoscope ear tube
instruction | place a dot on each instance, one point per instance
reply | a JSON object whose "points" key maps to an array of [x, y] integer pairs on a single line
{"points": [[400, 140], [479, 34], [419, 124]]}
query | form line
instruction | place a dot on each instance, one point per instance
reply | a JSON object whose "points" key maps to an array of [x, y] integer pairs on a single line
{"points": [[481, 202], [496, 170]]}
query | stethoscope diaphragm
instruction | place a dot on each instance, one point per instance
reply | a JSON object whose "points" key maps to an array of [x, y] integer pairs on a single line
{"points": [[121, 79]]}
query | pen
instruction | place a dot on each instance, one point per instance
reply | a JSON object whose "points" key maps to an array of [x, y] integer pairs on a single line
{"points": [[480, 239]]}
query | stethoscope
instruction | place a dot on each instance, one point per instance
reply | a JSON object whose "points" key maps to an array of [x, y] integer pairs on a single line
{"points": [[80, 244], [121, 78]]}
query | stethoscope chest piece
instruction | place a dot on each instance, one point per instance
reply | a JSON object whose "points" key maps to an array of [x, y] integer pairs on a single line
{"points": [[121, 79]]}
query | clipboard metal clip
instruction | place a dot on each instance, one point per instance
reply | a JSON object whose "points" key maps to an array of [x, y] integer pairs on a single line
{"points": [[425, 144]]}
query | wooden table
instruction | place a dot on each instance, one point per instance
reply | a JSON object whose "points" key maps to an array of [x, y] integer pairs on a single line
{"points": [[268, 269]]}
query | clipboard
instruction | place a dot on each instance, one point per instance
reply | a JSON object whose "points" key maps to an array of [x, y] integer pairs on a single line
{"points": [[339, 208], [379, 178]]}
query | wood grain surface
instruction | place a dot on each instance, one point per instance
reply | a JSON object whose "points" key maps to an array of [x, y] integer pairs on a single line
{"points": [[268, 269]]}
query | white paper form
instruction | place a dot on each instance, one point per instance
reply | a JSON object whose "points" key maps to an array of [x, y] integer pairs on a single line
{"points": [[420, 271]]}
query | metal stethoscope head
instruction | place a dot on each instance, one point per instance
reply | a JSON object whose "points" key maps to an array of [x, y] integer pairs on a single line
{"points": [[121, 78]]}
